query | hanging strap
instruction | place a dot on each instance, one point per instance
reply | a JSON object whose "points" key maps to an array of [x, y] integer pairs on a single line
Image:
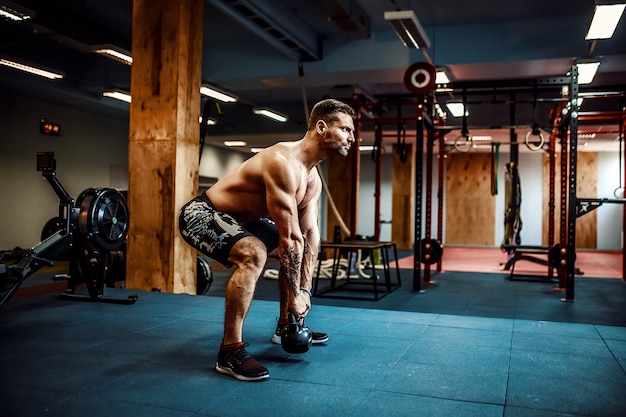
{"points": [[495, 157]]}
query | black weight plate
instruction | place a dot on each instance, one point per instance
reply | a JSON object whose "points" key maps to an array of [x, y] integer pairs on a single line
{"points": [[436, 251], [51, 227], [116, 267], [554, 256], [204, 275]]}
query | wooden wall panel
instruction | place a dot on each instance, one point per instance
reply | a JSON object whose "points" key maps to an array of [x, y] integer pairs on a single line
{"points": [[403, 199], [545, 208], [586, 186], [470, 207]]}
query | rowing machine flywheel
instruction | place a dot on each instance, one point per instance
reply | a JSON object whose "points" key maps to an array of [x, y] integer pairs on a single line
{"points": [[103, 217]]}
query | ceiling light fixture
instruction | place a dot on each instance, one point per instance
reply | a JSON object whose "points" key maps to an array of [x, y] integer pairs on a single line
{"points": [[271, 114], [114, 52], [15, 12], [234, 143], [217, 94], [457, 109], [209, 121], [31, 69], [586, 71], [442, 76], [408, 28], [118, 95], [605, 20]]}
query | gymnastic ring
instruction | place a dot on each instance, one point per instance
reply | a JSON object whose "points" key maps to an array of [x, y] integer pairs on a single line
{"points": [[468, 138], [619, 192], [532, 147]]}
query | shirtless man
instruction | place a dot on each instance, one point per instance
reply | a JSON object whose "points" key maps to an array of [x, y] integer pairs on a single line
{"points": [[269, 202]]}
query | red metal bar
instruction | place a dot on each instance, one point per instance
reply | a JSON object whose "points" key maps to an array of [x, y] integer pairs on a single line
{"points": [[378, 180], [556, 119]]}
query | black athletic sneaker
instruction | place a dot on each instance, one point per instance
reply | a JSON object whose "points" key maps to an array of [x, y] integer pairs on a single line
{"points": [[239, 364], [318, 337]]}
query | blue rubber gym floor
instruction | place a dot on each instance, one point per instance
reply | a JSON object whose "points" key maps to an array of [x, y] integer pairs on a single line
{"points": [[470, 345]]}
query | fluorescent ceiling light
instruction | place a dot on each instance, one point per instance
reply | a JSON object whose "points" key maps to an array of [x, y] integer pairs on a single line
{"points": [[586, 71], [604, 21], [218, 95], [113, 52], [442, 77], [256, 150], [15, 12], [31, 69], [118, 95], [457, 109], [271, 114], [209, 121], [408, 28], [234, 143]]}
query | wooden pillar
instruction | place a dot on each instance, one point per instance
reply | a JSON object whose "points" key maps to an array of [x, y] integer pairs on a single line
{"points": [[402, 205], [342, 184], [163, 142]]}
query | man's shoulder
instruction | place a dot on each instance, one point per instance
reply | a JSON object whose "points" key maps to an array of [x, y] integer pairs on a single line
{"points": [[280, 155]]}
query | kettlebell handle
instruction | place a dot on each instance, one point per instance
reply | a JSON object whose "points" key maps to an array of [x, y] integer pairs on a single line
{"points": [[296, 337], [294, 323]]}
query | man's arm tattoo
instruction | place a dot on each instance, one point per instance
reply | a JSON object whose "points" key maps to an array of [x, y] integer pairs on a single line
{"points": [[292, 266], [308, 264]]}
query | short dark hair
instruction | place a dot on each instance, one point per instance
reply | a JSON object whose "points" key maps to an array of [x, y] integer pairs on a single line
{"points": [[327, 110]]}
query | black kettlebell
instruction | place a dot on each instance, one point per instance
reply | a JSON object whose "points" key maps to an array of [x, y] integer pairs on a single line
{"points": [[296, 337]]}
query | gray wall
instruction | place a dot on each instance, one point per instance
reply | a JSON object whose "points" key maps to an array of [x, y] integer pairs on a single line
{"points": [[609, 215], [85, 151], [91, 152]]}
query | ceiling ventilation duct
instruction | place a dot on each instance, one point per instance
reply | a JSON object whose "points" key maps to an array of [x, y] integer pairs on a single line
{"points": [[275, 26], [348, 16]]}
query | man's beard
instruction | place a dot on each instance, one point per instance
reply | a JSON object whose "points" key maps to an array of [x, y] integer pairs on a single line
{"points": [[331, 144]]}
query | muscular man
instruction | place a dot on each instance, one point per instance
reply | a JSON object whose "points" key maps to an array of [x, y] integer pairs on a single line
{"points": [[269, 202]]}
